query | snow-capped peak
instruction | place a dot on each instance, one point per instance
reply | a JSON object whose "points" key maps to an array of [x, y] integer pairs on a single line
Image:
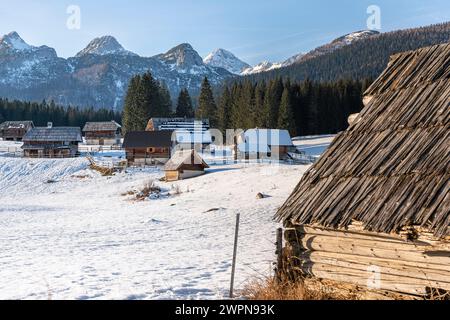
{"points": [[102, 46], [356, 36], [262, 67], [13, 41], [183, 56], [221, 58]]}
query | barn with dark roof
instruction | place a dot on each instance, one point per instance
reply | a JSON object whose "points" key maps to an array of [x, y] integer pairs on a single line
{"points": [[375, 209], [148, 147]]}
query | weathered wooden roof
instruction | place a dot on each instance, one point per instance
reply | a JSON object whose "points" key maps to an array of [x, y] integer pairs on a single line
{"points": [[391, 168], [101, 126], [16, 125], [148, 139], [54, 134], [182, 157]]}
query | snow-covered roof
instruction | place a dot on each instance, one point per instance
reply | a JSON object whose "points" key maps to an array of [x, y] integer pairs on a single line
{"points": [[270, 137], [16, 125], [182, 157], [253, 148], [196, 137]]}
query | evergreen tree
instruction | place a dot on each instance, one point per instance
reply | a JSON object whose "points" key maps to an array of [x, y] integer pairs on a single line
{"points": [[130, 112], [207, 108], [286, 114], [184, 105], [224, 111], [166, 101]]}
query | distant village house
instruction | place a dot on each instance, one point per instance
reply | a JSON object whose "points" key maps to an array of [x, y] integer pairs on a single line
{"points": [[15, 130], [148, 147], [52, 142], [185, 164], [102, 133], [264, 144]]}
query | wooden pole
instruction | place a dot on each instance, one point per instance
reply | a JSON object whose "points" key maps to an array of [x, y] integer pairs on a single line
{"points": [[233, 268], [279, 252]]}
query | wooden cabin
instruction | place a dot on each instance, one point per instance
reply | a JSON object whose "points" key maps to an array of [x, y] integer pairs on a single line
{"points": [[102, 133], [15, 130], [264, 144], [52, 142], [148, 147], [374, 211], [185, 164]]}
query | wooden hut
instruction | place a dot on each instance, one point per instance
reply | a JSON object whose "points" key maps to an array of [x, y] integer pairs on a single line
{"points": [[52, 142], [15, 130], [148, 147], [375, 209], [184, 164], [102, 133]]}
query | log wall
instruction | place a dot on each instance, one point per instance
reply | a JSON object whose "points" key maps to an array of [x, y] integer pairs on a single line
{"points": [[372, 260]]}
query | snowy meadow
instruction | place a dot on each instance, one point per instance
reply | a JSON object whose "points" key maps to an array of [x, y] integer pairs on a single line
{"points": [[66, 232]]}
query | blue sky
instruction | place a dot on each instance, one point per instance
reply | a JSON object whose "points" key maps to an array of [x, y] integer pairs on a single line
{"points": [[254, 30]]}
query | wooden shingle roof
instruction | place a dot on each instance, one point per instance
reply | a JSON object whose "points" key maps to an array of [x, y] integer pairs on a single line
{"points": [[101, 126], [54, 134], [391, 168]]}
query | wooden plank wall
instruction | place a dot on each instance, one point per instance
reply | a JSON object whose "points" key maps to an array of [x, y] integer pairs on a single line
{"points": [[364, 258]]}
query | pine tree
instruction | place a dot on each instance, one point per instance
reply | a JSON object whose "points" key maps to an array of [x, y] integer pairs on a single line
{"points": [[207, 108], [286, 114], [165, 100], [129, 118], [224, 111], [184, 105]]}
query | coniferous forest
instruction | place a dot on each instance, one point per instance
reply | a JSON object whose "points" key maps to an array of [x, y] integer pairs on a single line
{"points": [[303, 108], [42, 113]]}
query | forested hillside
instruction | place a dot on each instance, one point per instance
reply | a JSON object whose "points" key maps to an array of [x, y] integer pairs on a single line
{"points": [[363, 59], [303, 108], [44, 112]]}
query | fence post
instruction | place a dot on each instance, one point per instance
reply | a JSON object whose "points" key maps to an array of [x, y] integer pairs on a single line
{"points": [[233, 268], [279, 253]]}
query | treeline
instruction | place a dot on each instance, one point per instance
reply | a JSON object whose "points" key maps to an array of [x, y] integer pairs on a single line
{"points": [[363, 59], [303, 108], [42, 113], [147, 98]]}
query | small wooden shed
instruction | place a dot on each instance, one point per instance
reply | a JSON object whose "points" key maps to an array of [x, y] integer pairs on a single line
{"points": [[15, 130], [185, 164], [148, 147], [374, 211], [102, 133]]}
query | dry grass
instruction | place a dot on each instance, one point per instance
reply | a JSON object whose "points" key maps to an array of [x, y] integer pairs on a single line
{"points": [[303, 289]]}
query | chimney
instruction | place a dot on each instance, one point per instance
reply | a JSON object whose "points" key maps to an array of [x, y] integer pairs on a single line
{"points": [[49, 125]]}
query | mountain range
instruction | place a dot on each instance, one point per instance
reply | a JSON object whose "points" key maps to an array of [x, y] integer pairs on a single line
{"points": [[225, 59], [98, 75]]}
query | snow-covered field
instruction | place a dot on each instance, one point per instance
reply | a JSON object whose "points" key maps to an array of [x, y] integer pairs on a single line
{"points": [[68, 233]]}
